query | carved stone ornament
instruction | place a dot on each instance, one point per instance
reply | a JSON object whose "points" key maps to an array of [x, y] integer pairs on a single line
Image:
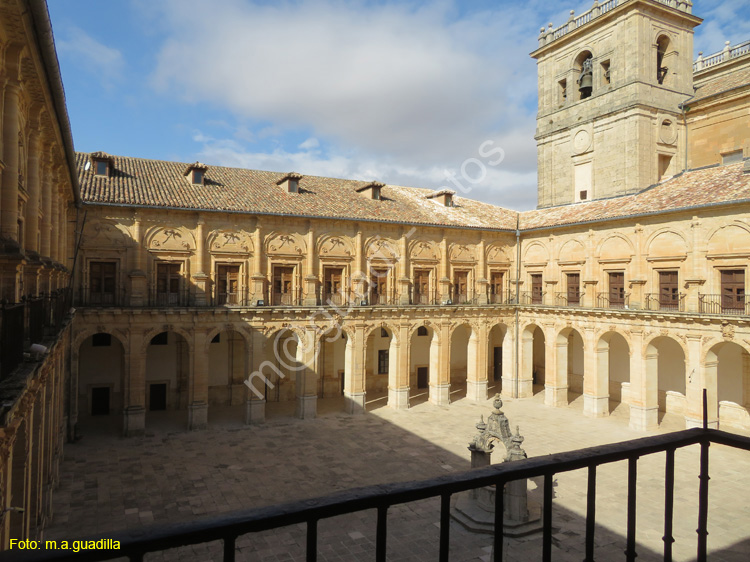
{"points": [[102, 234], [286, 244], [727, 331], [424, 251], [497, 255], [462, 252], [171, 239], [383, 249], [336, 246], [230, 242]]}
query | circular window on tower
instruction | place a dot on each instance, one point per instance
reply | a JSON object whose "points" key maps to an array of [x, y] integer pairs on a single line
{"points": [[668, 131]]}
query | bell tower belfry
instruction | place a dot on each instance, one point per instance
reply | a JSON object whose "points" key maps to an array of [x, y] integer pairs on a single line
{"points": [[611, 82]]}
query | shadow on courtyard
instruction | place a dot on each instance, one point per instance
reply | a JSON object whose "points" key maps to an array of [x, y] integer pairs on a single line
{"points": [[171, 476]]}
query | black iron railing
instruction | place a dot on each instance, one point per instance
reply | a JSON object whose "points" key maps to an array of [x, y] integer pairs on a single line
{"points": [[567, 299], [655, 301], [228, 528], [612, 300], [429, 297], [376, 299], [724, 304], [87, 297]]}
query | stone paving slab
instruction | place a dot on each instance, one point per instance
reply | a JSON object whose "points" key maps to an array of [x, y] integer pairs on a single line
{"points": [[109, 483]]}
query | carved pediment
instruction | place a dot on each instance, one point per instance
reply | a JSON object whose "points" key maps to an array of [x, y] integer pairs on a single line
{"points": [[424, 251], [336, 246], [383, 249], [496, 254], [286, 244], [463, 252], [171, 239], [230, 242], [103, 234]]}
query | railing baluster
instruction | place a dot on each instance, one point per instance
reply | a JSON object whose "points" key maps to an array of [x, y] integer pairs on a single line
{"points": [[229, 548], [382, 533], [445, 526], [668, 506], [547, 522], [590, 514], [312, 540], [630, 554], [498, 542], [703, 503]]}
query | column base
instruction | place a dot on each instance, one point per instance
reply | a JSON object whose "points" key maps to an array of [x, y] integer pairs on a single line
{"points": [[354, 403], [556, 396], [690, 423], [133, 421], [440, 394], [643, 419], [595, 406], [307, 407], [197, 416], [508, 386], [525, 388], [476, 391], [398, 398], [255, 412]]}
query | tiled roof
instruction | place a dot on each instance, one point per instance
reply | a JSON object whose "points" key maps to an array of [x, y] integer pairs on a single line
{"points": [[155, 183], [722, 83], [707, 186]]}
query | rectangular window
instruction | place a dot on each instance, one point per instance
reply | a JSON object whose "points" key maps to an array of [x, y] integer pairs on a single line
{"points": [[606, 78], [101, 168], [562, 91], [617, 288], [669, 290], [383, 362], [536, 288], [733, 290], [496, 287], [664, 161], [333, 285], [574, 289], [460, 287], [102, 282]]}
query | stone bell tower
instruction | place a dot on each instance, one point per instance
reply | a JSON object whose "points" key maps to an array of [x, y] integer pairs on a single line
{"points": [[611, 82]]}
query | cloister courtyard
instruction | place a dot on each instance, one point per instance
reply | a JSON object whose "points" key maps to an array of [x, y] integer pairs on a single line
{"points": [[109, 483]]}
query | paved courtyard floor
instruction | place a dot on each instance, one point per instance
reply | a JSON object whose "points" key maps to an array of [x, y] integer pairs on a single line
{"points": [[110, 483]]}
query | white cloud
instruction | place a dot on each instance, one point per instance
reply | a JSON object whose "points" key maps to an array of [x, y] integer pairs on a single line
{"points": [[312, 142], [104, 62]]}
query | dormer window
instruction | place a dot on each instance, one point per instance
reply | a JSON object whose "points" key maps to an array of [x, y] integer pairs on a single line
{"points": [[102, 164], [290, 182], [444, 196], [372, 190], [196, 172]]}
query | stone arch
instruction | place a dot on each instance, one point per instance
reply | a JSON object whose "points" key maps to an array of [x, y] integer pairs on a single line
{"points": [[148, 335], [726, 376], [729, 239], [281, 351], [462, 356], [427, 324], [567, 374], [536, 252], [666, 242], [379, 377], [88, 332], [615, 246], [100, 369], [212, 333], [168, 369], [665, 55], [499, 354], [392, 330], [613, 367], [229, 362], [572, 251], [666, 366], [533, 360]]}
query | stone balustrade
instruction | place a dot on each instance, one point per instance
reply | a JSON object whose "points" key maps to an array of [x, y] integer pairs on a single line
{"points": [[726, 54]]}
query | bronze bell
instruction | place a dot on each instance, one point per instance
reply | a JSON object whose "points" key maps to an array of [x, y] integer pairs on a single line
{"points": [[586, 83]]}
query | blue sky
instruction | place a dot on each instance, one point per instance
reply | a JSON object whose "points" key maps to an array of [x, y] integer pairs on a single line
{"points": [[400, 92]]}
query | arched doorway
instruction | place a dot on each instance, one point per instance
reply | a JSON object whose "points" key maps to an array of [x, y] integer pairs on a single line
{"points": [[460, 358], [728, 370], [611, 386], [227, 372], [568, 381], [495, 363], [380, 363], [167, 374], [533, 362], [101, 367], [332, 364], [665, 364], [420, 364]]}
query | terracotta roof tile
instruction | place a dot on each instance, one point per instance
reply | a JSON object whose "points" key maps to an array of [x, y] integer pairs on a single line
{"points": [[722, 83]]}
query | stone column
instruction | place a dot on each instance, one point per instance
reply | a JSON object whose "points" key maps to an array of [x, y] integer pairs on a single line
{"points": [[440, 376], [403, 272], [595, 377], [258, 278], [310, 298], [9, 194], [526, 372], [198, 382], [398, 370], [138, 279], [556, 377], [359, 285], [32, 206], [134, 408], [306, 378], [444, 289], [46, 200], [696, 381], [201, 280], [509, 362], [483, 283], [255, 406], [644, 405], [354, 372], [476, 365]]}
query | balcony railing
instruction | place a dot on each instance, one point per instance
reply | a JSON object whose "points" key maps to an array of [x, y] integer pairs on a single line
{"points": [[292, 298], [565, 299], [496, 298], [655, 301], [28, 322], [229, 527], [375, 299], [724, 304], [424, 298], [608, 300], [87, 297]]}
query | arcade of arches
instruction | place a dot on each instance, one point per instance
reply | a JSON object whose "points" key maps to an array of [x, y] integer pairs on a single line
{"points": [[439, 357]]}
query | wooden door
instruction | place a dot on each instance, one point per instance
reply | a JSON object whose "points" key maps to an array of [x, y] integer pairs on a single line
{"points": [[733, 290], [422, 286], [423, 377], [168, 283], [228, 279], [574, 289], [461, 287], [669, 290], [333, 285], [102, 282], [617, 288], [379, 286], [283, 285], [496, 287], [536, 288]]}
